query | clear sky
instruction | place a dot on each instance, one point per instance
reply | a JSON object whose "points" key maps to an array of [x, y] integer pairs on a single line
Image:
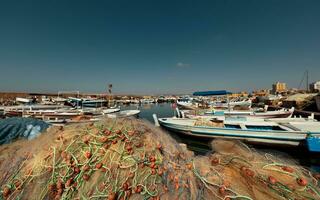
{"points": [[157, 46]]}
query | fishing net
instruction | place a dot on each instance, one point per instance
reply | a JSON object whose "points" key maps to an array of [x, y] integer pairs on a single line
{"points": [[130, 159]]}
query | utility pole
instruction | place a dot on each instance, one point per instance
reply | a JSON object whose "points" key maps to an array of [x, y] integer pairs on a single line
{"points": [[110, 92]]}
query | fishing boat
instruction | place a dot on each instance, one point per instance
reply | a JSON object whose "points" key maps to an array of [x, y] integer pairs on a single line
{"points": [[36, 109], [22, 100], [282, 113], [147, 101], [231, 104], [134, 101], [124, 113], [110, 110], [289, 132], [186, 104], [33, 107], [161, 99], [201, 100], [76, 119], [77, 102]]}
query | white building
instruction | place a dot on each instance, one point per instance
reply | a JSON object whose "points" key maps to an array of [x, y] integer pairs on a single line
{"points": [[315, 86]]}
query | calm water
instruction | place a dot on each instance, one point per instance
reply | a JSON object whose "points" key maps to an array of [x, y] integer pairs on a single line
{"points": [[202, 146], [166, 110]]}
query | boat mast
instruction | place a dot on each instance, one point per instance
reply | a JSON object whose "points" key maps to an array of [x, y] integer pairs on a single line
{"points": [[228, 104]]}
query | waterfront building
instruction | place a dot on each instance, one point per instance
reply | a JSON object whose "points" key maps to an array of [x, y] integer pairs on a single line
{"points": [[279, 88], [263, 92], [239, 94]]}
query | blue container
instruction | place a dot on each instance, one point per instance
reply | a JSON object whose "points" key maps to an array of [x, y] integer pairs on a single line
{"points": [[313, 143]]}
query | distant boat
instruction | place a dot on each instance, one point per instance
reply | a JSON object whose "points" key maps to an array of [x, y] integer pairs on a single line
{"points": [[147, 101], [77, 119], [24, 100], [186, 104], [231, 104], [134, 101], [77, 102], [282, 113], [35, 109], [162, 99], [289, 132]]}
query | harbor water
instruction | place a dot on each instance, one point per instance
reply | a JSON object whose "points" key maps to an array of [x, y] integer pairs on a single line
{"points": [[202, 146]]}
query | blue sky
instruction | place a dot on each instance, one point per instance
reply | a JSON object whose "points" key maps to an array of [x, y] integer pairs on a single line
{"points": [[153, 47]]}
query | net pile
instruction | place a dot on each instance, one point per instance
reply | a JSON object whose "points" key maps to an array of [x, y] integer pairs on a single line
{"points": [[129, 159]]}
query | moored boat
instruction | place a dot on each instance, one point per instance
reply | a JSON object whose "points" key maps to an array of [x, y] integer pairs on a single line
{"points": [[231, 104], [290, 133], [124, 113], [282, 113], [186, 104], [110, 110], [147, 101], [95, 103]]}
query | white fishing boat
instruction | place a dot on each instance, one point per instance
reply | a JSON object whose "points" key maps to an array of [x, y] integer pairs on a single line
{"points": [[59, 100], [79, 119], [87, 102], [33, 107], [287, 132], [147, 101], [231, 104], [110, 110], [124, 113], [201, 100], [282, 113], [134, 101], [24, 100], [37, 109], [186, 104]]}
